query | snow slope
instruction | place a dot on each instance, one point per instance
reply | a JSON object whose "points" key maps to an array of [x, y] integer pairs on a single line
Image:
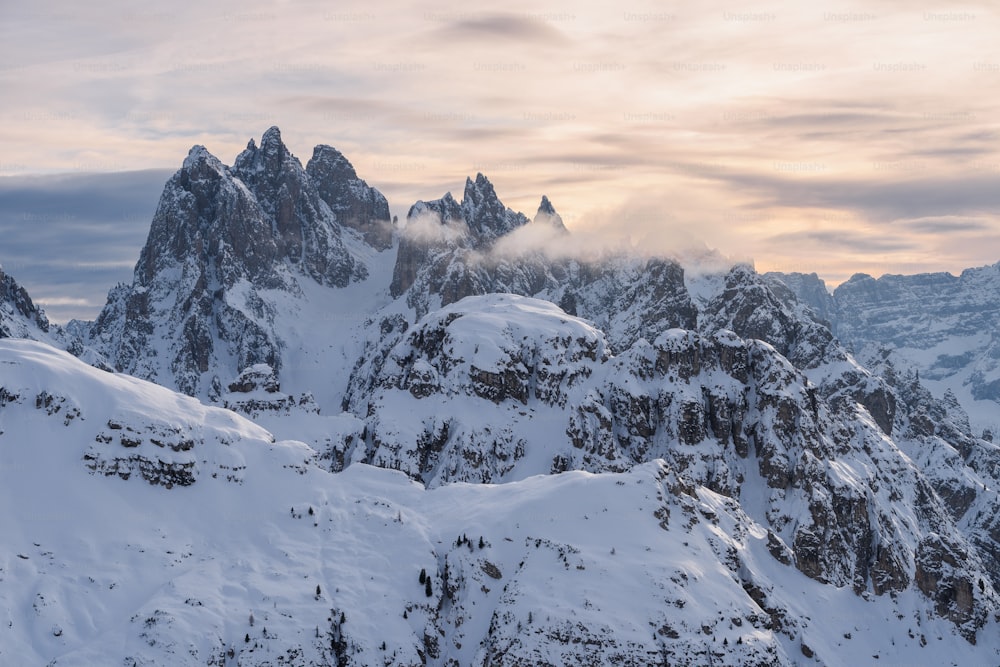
{"points": [[265, 559]]}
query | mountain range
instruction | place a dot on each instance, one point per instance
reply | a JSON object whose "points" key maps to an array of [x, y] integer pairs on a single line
{"points": [[941, 326], [306, 434]]}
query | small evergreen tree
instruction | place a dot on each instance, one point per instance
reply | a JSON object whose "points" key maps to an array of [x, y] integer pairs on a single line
{"points": [[318, 591], [251, 619], [423, 575], [311, 511], [246, 639], [482, 544], [427, 588]]}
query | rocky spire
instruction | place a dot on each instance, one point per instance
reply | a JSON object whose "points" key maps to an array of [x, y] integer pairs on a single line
{"points": [[487, 217], [220, 240], [352, 200], [547, 215], [306, 235]]}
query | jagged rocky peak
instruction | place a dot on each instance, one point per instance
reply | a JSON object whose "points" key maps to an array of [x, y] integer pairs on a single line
{"points": [[443, 227], [757, 306], [198, 311], [205, 219], [351, 199], [200, 163], [272, 157], [749, 307], [304, 226], [19, 316], [446, 209], [487, 217], [546, 215]]}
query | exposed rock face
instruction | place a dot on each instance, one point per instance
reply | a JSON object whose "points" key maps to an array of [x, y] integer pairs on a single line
{"points": [[941, 574], [749, 306], [257, 391], [627, 299], [488, 219], [808, 289], [895, 309], [224, 245], [129, 428], [443, 228], [952, 318], [259, 377], [303, 230], [19, 316], [354, 203]]}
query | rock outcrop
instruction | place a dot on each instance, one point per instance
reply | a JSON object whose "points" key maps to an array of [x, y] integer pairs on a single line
{"points": [[19, 316]]}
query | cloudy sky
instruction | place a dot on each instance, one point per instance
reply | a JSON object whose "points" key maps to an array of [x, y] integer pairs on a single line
{"points": [[828, 137]]}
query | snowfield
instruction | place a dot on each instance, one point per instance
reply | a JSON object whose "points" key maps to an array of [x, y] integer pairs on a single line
{"points": [[577, 568]]}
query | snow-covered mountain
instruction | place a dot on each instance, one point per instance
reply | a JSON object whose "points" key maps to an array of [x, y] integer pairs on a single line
{"points": [[942, 326], [664, 466], [234, 254], [144, 528]]}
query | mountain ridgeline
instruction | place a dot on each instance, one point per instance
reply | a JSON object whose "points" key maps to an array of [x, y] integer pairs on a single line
{"points": [[779, 433], [937, 325]]}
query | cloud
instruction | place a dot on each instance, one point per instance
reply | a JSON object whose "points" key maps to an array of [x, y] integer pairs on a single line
{"points": [[946, 225], [502, 26], [426, 227], [889, 191], [844, 239], [642, 229]]}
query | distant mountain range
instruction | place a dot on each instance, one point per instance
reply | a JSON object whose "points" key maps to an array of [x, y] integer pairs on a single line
{"points": [[938, 325]]}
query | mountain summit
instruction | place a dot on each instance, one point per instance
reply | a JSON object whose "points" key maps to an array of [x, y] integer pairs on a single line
{"points": [[224, 245]]}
